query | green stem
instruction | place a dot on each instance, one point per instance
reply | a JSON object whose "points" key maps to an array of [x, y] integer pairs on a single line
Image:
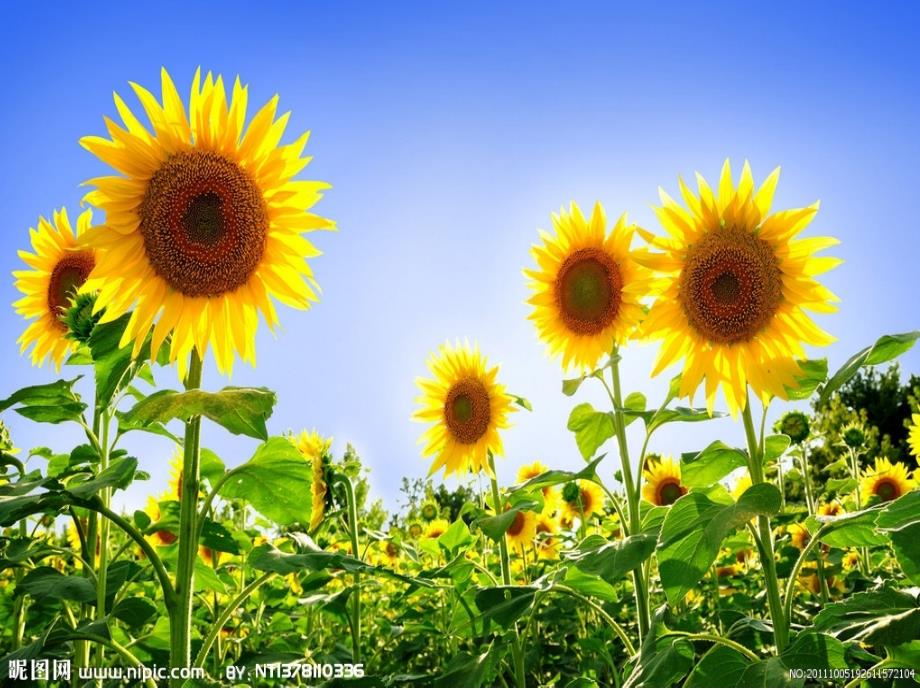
{"points": [[633, 491], [102, 568], [225, 615], [768, 560], [181, 614], [793, 575], [616, 627], [813, 511], [123, 651], [717, 639], [516, 651], [356, 599], [854, 470]]}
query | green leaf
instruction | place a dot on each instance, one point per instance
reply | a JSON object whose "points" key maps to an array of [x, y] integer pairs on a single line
{"points": [[465, 670], [814, 650], [854, 529], [681, 414], [134, 611], [506, 604], [521, 402], [710, 465], [239, 410], [720, 667], [47, 582], [611, 560], [885, 349], [592, 428], [590, 585], [19, 507], [884, 618], [456, 537], [126, 424], [52, 403], [218, 538], [662, 663], [554, 477], [693, 531], [813, 374], [207, 580], [633, 406], [212, 467], [276, 481], [570, 386], [111, 362], [117, 475], [774, 446]]}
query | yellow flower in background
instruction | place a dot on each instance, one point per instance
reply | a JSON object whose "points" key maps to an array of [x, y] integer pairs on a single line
{"points": [[59, 266], [850, 560], [204, 223], [587, 287], [884, 482], [799, 535], [662, 482], [550, 493], [545, 538], [584, 498], [162, 537], [742, 484], [913, 436], [315, 449], [736, 289], [466, 407], [436, 528], [831, 508], [522, 530]]}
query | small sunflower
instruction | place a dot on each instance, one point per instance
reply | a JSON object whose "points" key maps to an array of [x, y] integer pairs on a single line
{"points": [[466, 407], [522, 530], [315, 449], [430, 510], [162, 536], [884, 482], [436, 528], [204, 224], [830, 509], [799, 536], [662, 482], [735, 289], [550, 493], [584, 498], [854, 436], [545, 538], [850, 560], [795, 425], [415, 529], [587, 287], [913, 436], [60, 266]]}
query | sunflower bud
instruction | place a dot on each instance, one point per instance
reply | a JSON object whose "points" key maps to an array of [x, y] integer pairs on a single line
{"points": [[79, 318], [570, 492], [795, 425], [854, 437], [6, 442]]}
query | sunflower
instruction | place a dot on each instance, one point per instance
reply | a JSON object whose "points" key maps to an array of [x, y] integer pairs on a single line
{"points": [[436, 528], [735, 288], [584, 498], [850, 560], [884, 482], [550, 493], [415, 529], [430, 510], [204, 225], [59, 268], [795, 425], [315, 449], [799, 536], [466, 407], [830, 509], [742, 484], [162, 536], [662, 482], [586, 287], [913, 437], [545, 537], [522, 530]]}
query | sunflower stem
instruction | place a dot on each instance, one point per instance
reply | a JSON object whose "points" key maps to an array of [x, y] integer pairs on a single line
{"points": [[768, 560], [633, 491], [345, 481], [181, 613], [516, 651], [102, 569]]}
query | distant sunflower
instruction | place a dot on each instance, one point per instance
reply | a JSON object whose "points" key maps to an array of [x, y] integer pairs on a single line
{"points": [[587, 287], [315, 449], [585, 497], [430, 510], [830, 509], [546, 540], [795, 425], [736, 286], [662, 482], [162, 536], [913, 437], [466, 407], [550, 493], [850, 560], [204, 225], [742, 484], [799, 535], [59, 266], [415, 529], [436, 528], [884, 482], [522, 530]]}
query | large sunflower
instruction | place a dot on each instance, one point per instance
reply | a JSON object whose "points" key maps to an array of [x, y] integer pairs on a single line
{"points": [[913, 436], [884, 482], [315, 449], [60, 266], [586, 287], [204, 225], [735, 288], [662, 482], [466, 407]]}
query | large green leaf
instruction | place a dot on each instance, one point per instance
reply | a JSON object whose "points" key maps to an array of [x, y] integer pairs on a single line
{"points": [[506, 604], [854, 529], [813, 374], [111, 362], [611, 560], [884, 617], [51, 402], [662, 663], [592, 428], [118, 475], [693, 531], [885, 349], [465, 670], [276, 482], [710, 465], [239, 410], [720, 667], [134, 611], [45, 582]]}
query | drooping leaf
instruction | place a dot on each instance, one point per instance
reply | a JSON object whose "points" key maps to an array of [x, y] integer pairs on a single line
{"points": [[719, 667], [611, 560], [47, 582], [51, 402], [456, 537], [711, 464], [118, 475], [134, 611], [591, 428], [505, 604], [554, 477], [885, 349], [884, 617], [774, 446], [662, 663]]}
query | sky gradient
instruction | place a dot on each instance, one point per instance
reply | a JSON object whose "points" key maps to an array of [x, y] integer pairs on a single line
{"points": [[449, 133]]}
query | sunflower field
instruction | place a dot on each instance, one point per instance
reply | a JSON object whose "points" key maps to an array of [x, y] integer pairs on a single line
{"points": [[791, 561]]}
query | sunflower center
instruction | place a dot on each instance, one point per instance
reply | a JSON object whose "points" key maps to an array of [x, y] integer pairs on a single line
{"points": [[731, 286], [204, 223], [887, 490], [70, 272], [166, 537], [669, 491], [517, 525], [467, 411], [588, 291]]}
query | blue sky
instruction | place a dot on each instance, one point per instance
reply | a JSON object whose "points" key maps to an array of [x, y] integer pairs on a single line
{"points": [[449, 133]]}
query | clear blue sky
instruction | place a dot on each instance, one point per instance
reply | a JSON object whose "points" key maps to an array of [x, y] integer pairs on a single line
{"points": [[450, 131]]}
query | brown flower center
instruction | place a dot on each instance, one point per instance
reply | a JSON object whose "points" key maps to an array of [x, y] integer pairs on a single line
{"points": [[166, 537], [467, 412], [588, 291], [668, 491], [204, 223], [70, 272], [887, 489], [731, 286], [517, 525]]}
